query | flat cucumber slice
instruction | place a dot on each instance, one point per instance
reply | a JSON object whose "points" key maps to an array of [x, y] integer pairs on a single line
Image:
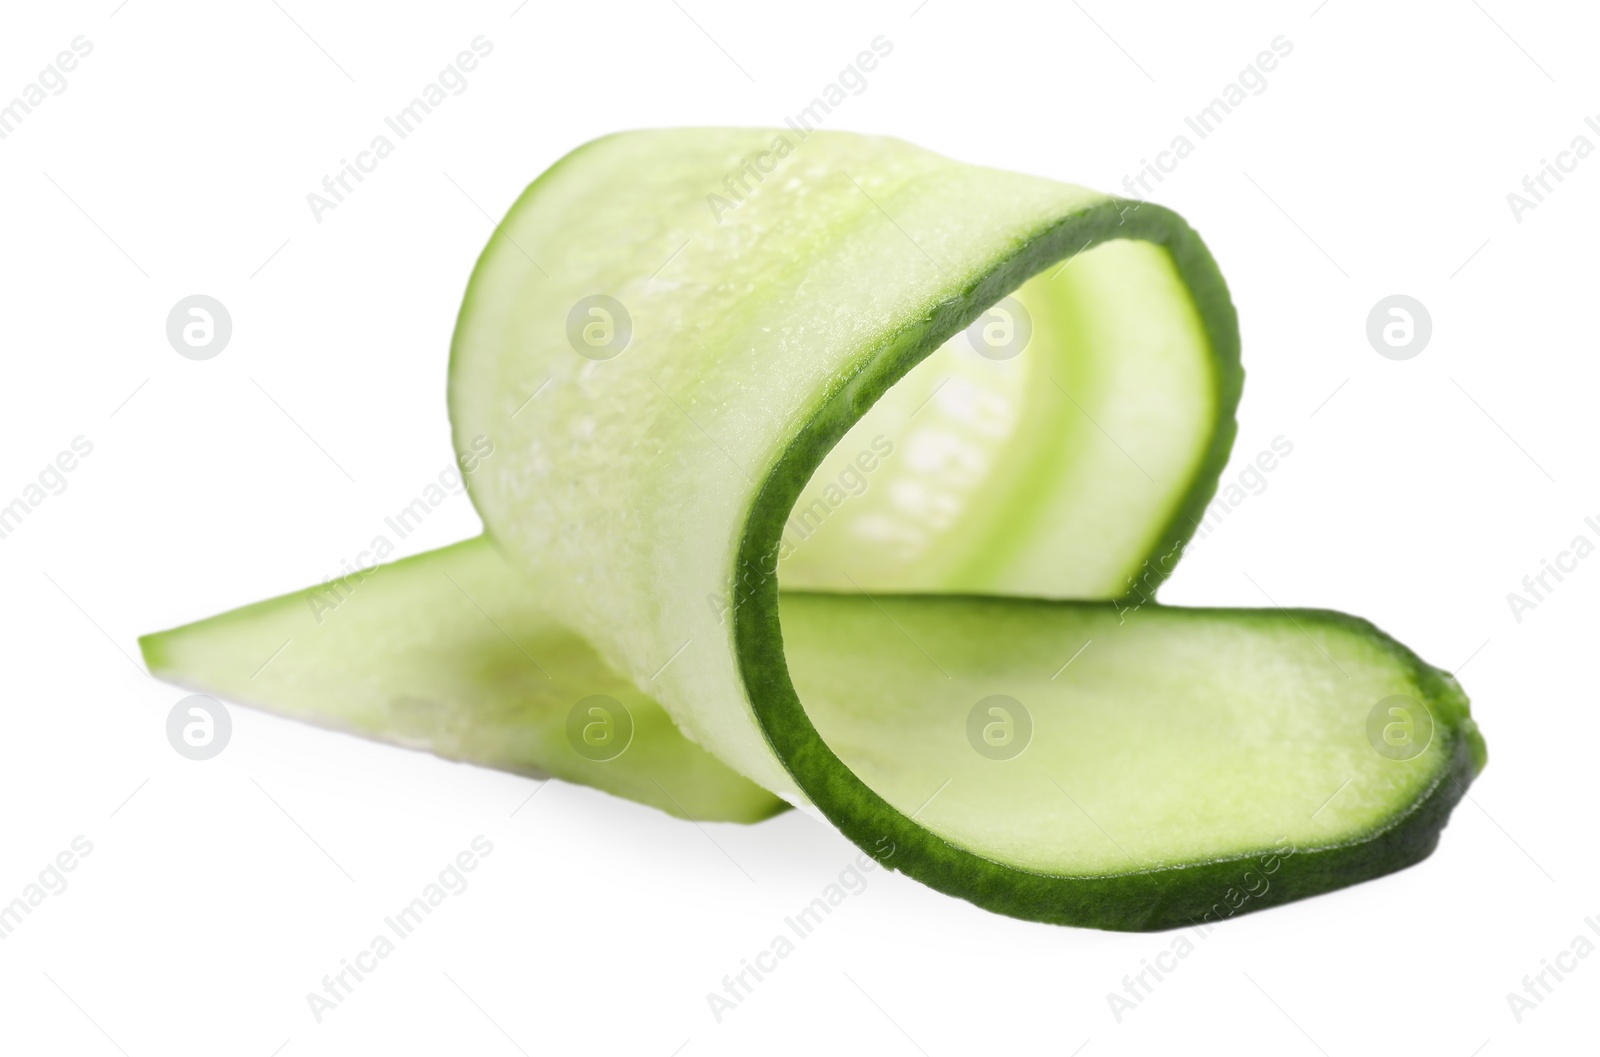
{"points": [[1139, 768], [450, 652], [663, 379]]}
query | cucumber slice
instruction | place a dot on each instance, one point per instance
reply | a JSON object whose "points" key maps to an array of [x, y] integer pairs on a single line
{"points": [[651, 466], [450, 652], [1187, 764], [691, 402]]}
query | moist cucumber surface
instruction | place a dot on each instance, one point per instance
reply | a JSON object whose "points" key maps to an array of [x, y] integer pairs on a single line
{"points": [[652, 488], [450, 652]]}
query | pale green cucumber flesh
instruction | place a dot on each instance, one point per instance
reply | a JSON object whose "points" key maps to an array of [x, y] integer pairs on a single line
{"points": [[1057, 470], [450, 652], [1162, 754]]}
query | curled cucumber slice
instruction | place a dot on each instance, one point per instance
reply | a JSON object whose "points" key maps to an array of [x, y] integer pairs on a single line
{"points": [[656, 423], [693, 407], [868, 484]]}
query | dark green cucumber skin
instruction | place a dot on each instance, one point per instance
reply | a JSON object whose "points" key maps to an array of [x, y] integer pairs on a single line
{"points": [[1144, 901]]}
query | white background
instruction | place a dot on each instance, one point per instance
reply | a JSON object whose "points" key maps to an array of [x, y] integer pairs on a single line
{"points": [[177, 161]]}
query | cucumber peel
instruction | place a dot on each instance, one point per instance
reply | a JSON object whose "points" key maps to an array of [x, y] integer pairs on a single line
{"points": [[690, 407]]}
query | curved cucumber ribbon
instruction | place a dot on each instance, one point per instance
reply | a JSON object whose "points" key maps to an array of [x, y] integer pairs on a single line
{"points": [[689, 404]]}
